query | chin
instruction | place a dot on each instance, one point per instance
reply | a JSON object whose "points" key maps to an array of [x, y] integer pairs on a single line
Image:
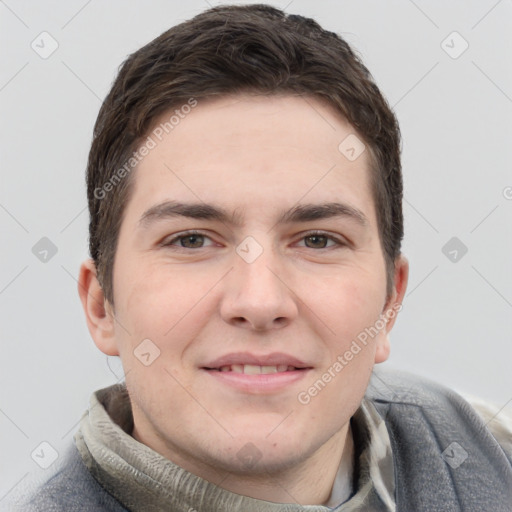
{"points": [[251, 458], [270, 433]]}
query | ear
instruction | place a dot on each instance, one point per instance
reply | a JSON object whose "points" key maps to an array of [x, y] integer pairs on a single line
{"points": [[392, 308], [98, 312]]}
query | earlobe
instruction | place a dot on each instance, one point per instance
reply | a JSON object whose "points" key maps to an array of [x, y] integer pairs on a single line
{"points": [[383, 348], [392, 308], [98, 314]]}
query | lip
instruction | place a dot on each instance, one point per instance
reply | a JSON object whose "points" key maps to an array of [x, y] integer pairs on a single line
{"points": [[258, 384], [272, 359], [263, 383]]}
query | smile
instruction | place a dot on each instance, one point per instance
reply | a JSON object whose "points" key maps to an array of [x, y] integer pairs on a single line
{"points": [[251, 369]]}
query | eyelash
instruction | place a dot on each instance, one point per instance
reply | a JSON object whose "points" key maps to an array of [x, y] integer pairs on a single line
{"points": [[338, 241], [185, 234]]}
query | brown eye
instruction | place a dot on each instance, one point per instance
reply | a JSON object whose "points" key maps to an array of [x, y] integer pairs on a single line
{"points": [[191, 241], [316, 241]]}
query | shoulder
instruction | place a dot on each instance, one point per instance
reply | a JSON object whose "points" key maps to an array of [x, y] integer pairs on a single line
{"points": [[445, 456], [497, 419], [70, 486], [441, 407]]}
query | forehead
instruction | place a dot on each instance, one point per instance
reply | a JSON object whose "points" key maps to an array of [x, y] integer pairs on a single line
{"points": [[253, 150], [291, 123]]}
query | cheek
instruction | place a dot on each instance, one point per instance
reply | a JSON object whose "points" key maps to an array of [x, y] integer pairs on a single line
{"points": [[169, 308], [347, 303], [159, 399], [351, 309], [154, 299]]}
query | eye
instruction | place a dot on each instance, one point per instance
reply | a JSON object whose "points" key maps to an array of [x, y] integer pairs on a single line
{"points": [[320, 241], [190, 240]]}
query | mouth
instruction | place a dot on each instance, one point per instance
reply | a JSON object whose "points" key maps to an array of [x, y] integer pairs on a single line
{"points": [[252, 369], [256, 374]]}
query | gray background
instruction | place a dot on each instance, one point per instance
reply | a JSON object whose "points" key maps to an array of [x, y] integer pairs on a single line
{"points": [[455, 115]]}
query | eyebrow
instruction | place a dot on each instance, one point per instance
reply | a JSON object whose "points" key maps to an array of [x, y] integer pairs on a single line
{"points": [[310, 212], [203, 211]]}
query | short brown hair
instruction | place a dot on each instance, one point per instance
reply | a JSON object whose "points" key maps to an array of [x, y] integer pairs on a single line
{"points": [[224, 51]]}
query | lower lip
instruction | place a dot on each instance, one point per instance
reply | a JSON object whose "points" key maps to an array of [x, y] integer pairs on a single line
{"points": [[260, 383]]}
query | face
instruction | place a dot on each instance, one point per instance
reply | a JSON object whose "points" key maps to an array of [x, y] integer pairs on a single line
{"points": [[248, 262]]}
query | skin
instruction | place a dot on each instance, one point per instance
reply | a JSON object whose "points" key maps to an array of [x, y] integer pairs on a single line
{"points": [[254, 157]]}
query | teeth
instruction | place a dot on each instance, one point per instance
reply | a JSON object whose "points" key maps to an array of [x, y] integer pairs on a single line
{"points": [[251, 369]]}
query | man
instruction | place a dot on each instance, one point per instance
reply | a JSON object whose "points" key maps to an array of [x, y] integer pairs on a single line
{"points": [[245, 189]]}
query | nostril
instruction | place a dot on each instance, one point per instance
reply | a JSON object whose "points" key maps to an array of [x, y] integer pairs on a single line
{"points": [[243, 322], [240, 320]]}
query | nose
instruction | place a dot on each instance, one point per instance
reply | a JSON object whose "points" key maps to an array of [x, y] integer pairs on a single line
{"points": [[256, 295]]}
